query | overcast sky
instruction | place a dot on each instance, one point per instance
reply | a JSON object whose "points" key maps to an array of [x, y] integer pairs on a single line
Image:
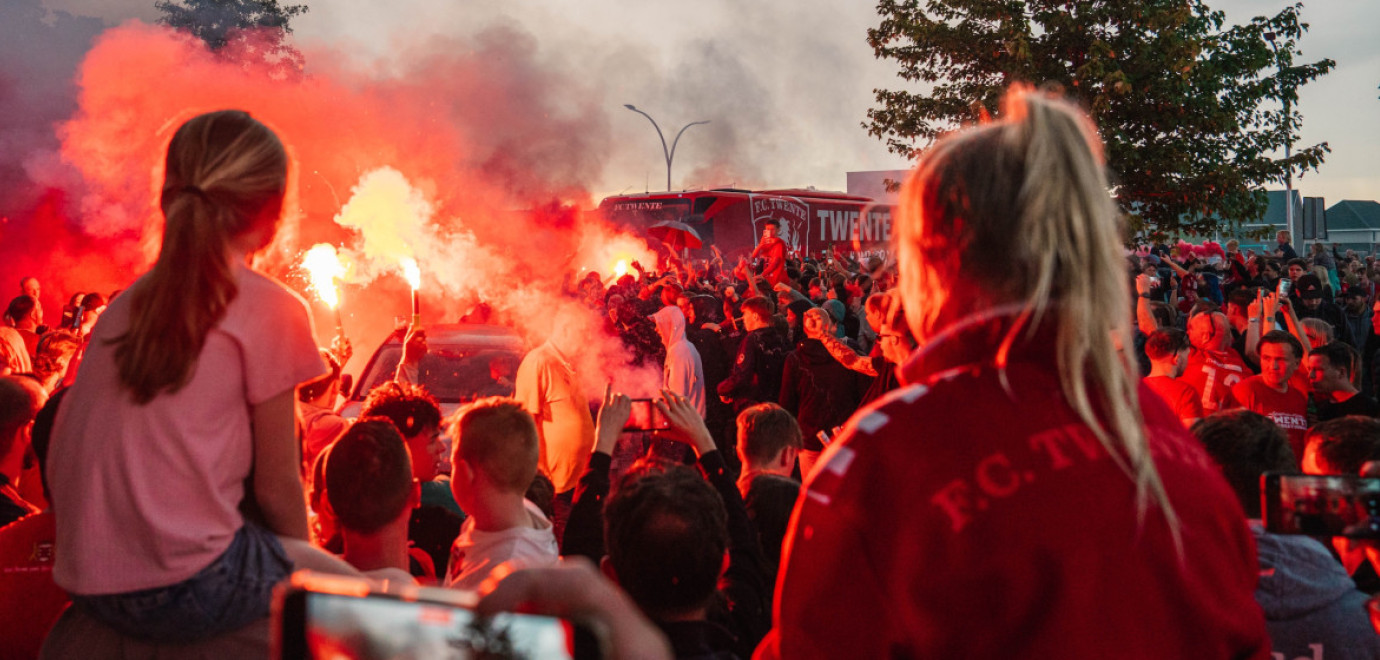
{"points": [[786, 83]]}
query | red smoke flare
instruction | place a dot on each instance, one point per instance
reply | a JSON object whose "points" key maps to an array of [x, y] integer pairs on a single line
{"points": [[480, 128]]}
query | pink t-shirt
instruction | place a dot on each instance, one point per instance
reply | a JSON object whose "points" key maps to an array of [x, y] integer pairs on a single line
{"points": [[147, 496]]}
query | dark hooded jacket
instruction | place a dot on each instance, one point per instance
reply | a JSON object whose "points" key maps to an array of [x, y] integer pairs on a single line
{"points": [[1309, 600], [756, 373], [820, 392]]}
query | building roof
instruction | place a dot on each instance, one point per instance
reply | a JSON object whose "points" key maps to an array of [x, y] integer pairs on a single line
{"points": [[1354, 214]]}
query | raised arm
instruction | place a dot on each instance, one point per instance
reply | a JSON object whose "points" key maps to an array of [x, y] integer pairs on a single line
{"points": [[414, 349], [584, 529], [1145, 319], [1259, 312], [1291, 321], [840, 351], [744, 583]]}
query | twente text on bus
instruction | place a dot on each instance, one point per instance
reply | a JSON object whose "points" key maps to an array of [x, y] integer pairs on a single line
{"points": [[812, 221]]}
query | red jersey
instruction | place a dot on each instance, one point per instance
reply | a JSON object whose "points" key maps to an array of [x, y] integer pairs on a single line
{"points": [[1213, 374], [1181, 397], [1288, 409], [773, 250], [957, 517]]}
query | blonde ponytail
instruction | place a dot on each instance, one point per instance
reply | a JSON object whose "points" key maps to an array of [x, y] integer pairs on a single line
{"points": [[225, 176], [1021, 209]]}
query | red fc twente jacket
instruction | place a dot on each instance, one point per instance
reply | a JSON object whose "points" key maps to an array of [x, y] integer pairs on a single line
{"points": [[957, 519]]}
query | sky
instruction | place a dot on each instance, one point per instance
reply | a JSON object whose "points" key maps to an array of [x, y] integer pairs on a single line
{"points": [[502, 105], [785, 83]]}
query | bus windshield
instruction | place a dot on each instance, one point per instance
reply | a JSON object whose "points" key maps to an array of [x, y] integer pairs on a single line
{"points": [[646, 212]]}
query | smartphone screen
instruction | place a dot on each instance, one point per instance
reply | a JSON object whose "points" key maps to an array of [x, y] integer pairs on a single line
{"points": [[1332, 505], [645, 417], [319, 624]]}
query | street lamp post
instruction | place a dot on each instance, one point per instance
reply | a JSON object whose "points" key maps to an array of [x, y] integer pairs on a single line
{"points": [[1288, 144], [671, 153]]}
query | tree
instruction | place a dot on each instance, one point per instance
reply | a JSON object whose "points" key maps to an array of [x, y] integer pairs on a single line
{"points": [[1190, 110], [253, 29]]}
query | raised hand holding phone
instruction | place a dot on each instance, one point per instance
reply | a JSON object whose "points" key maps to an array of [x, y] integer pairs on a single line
{"points": [[1271, 302], [1143, 284], [686, 425], [575, 590], [613, 416]]}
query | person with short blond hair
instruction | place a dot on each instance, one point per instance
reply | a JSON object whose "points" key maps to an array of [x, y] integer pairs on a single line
{"points": [[493, 461], [1283, 249], [768, 440]]}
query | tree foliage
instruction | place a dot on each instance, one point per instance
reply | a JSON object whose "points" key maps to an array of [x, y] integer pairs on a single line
{"points": [[247, 29], [1192, 110]]}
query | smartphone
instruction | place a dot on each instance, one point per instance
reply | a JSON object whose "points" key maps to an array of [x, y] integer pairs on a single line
{"points": [[646, 417], [1285, 286], [329, 616], [1331, 505]]}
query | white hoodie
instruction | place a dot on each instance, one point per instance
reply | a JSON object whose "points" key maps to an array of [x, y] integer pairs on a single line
{"points": [[684, 373]]}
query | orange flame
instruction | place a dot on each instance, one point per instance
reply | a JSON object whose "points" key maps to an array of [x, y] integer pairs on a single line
{"points": [[323, 267], [621, 268]]}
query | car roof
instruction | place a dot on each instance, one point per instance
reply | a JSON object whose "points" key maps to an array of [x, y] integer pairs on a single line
{"points": [[468, 334]]}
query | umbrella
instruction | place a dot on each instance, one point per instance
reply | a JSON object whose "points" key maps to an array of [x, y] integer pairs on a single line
{"points": [[675, 235]]}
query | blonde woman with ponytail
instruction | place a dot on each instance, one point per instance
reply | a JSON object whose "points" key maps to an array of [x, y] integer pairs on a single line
{"points": [[1021, 495], [181, 415]]}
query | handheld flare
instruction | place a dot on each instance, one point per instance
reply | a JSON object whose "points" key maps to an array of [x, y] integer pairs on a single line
{"points": [[324, 268], [413, 275]]}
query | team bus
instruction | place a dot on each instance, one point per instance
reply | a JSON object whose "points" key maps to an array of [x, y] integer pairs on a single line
{"points": [[812, 221]]}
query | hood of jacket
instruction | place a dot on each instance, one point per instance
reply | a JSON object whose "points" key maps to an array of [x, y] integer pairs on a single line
{"points": [[670, 325], [812, 353], [1297, 575]]}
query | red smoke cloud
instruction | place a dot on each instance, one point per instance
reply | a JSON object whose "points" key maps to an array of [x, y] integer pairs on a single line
{"points": [[481, 129]]}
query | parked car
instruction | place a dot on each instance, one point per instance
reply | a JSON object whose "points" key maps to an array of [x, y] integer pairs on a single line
{"points": [[463, 362]]}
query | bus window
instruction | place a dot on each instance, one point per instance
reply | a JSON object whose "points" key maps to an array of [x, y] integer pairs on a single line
{"points": [[646, 212]]}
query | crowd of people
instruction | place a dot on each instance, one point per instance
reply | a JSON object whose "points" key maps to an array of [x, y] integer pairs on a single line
{"points": [[949, 454]]}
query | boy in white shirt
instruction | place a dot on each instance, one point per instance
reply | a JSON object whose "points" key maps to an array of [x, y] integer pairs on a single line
{"points": [[494, 460]]}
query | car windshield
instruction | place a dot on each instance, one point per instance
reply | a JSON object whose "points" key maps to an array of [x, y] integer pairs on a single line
{"points": [[452, 375]]}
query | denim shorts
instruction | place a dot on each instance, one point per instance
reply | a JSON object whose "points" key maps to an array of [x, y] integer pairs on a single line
{"points": [[234, 590]]}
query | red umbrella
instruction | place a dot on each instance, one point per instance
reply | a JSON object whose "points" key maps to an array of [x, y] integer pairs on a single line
{"points": [[675, 235]]}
